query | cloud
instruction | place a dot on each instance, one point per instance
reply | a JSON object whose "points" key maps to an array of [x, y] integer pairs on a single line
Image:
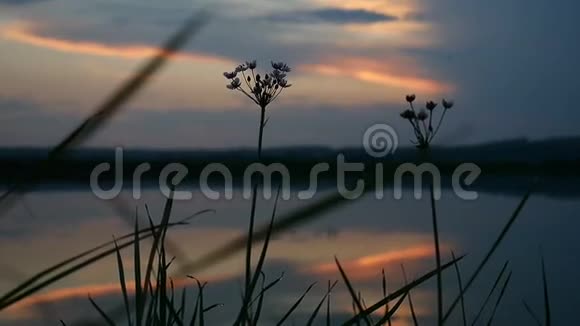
{"points": [[386, 73], [333, 16], [13, 105], [365, 267], [19, 2], [24, 34]]}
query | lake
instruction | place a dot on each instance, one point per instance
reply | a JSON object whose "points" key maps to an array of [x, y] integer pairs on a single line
{"points": [[366, 235]]}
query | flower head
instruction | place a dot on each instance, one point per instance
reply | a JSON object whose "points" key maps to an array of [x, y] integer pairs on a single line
{"points": [[278, 75], [235, 84], [241, 68], [425, 123], [284, 83], [230, 75], [281, 66], [408, 114], [251, 64], [262, 89], [447, 104], [430, 105]]}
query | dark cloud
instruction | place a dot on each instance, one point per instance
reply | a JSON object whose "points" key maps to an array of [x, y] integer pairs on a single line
{"points": [[19, 2], [16, 105], [331, 15]]}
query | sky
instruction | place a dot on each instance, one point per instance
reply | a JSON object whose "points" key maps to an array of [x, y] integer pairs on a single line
{"points": [[511, 67]]}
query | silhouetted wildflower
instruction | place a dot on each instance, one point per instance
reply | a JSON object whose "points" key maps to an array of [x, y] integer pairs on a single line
{"points": [[408, 114], [281, 66], [424, 132], [251, 64], [230, 75], [430, 105], [241, 68], [234, 84], [447, 104], [261, 91]]}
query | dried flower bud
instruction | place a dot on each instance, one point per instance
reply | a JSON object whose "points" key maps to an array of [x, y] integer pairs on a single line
{"points": [[410, 98], [430, 105], [284, 83], [276, 65], [422, 116], [235, 83], [408, 114], [281, 66], [241, 68], [251, 64], [230, 75], [447, 104]]}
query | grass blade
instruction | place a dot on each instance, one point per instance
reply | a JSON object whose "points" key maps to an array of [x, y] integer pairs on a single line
{"points": [[328, 305], [411, 307], [498, 301], [351, 291], [252, 285], [460, 285], [491, 251], [532, 313], [548, 321], [35, 278], [158, 237], [108, 320], [325, 298], [387, 317], [385, 293], [400, 292], [182, 306], [57, 277], [437, 256], [260, 303], [491, 291], [295, 305], [137, 266], [196, 307], [122, 281]]}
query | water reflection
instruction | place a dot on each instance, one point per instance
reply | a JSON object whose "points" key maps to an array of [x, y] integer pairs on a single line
{"points": [[367, 236]]}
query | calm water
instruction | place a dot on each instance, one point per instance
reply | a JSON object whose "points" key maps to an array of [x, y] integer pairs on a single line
{"points": [[366, 235]]}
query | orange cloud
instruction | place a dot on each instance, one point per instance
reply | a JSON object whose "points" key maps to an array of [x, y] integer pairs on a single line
{"points": [[23, 34], [381, 74], [397, 8], [94, 290], [366, 267]]}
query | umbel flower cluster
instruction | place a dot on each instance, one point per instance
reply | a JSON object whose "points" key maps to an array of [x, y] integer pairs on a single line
{"points": [[422, 121], [261, 89]]}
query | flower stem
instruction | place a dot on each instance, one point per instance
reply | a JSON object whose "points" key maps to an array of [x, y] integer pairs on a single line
{"points": [[253, 209], [438, 125], [437, 247]]}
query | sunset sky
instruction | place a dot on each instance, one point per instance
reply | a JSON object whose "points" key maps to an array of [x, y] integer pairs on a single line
{"points": [[511, 67]]}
